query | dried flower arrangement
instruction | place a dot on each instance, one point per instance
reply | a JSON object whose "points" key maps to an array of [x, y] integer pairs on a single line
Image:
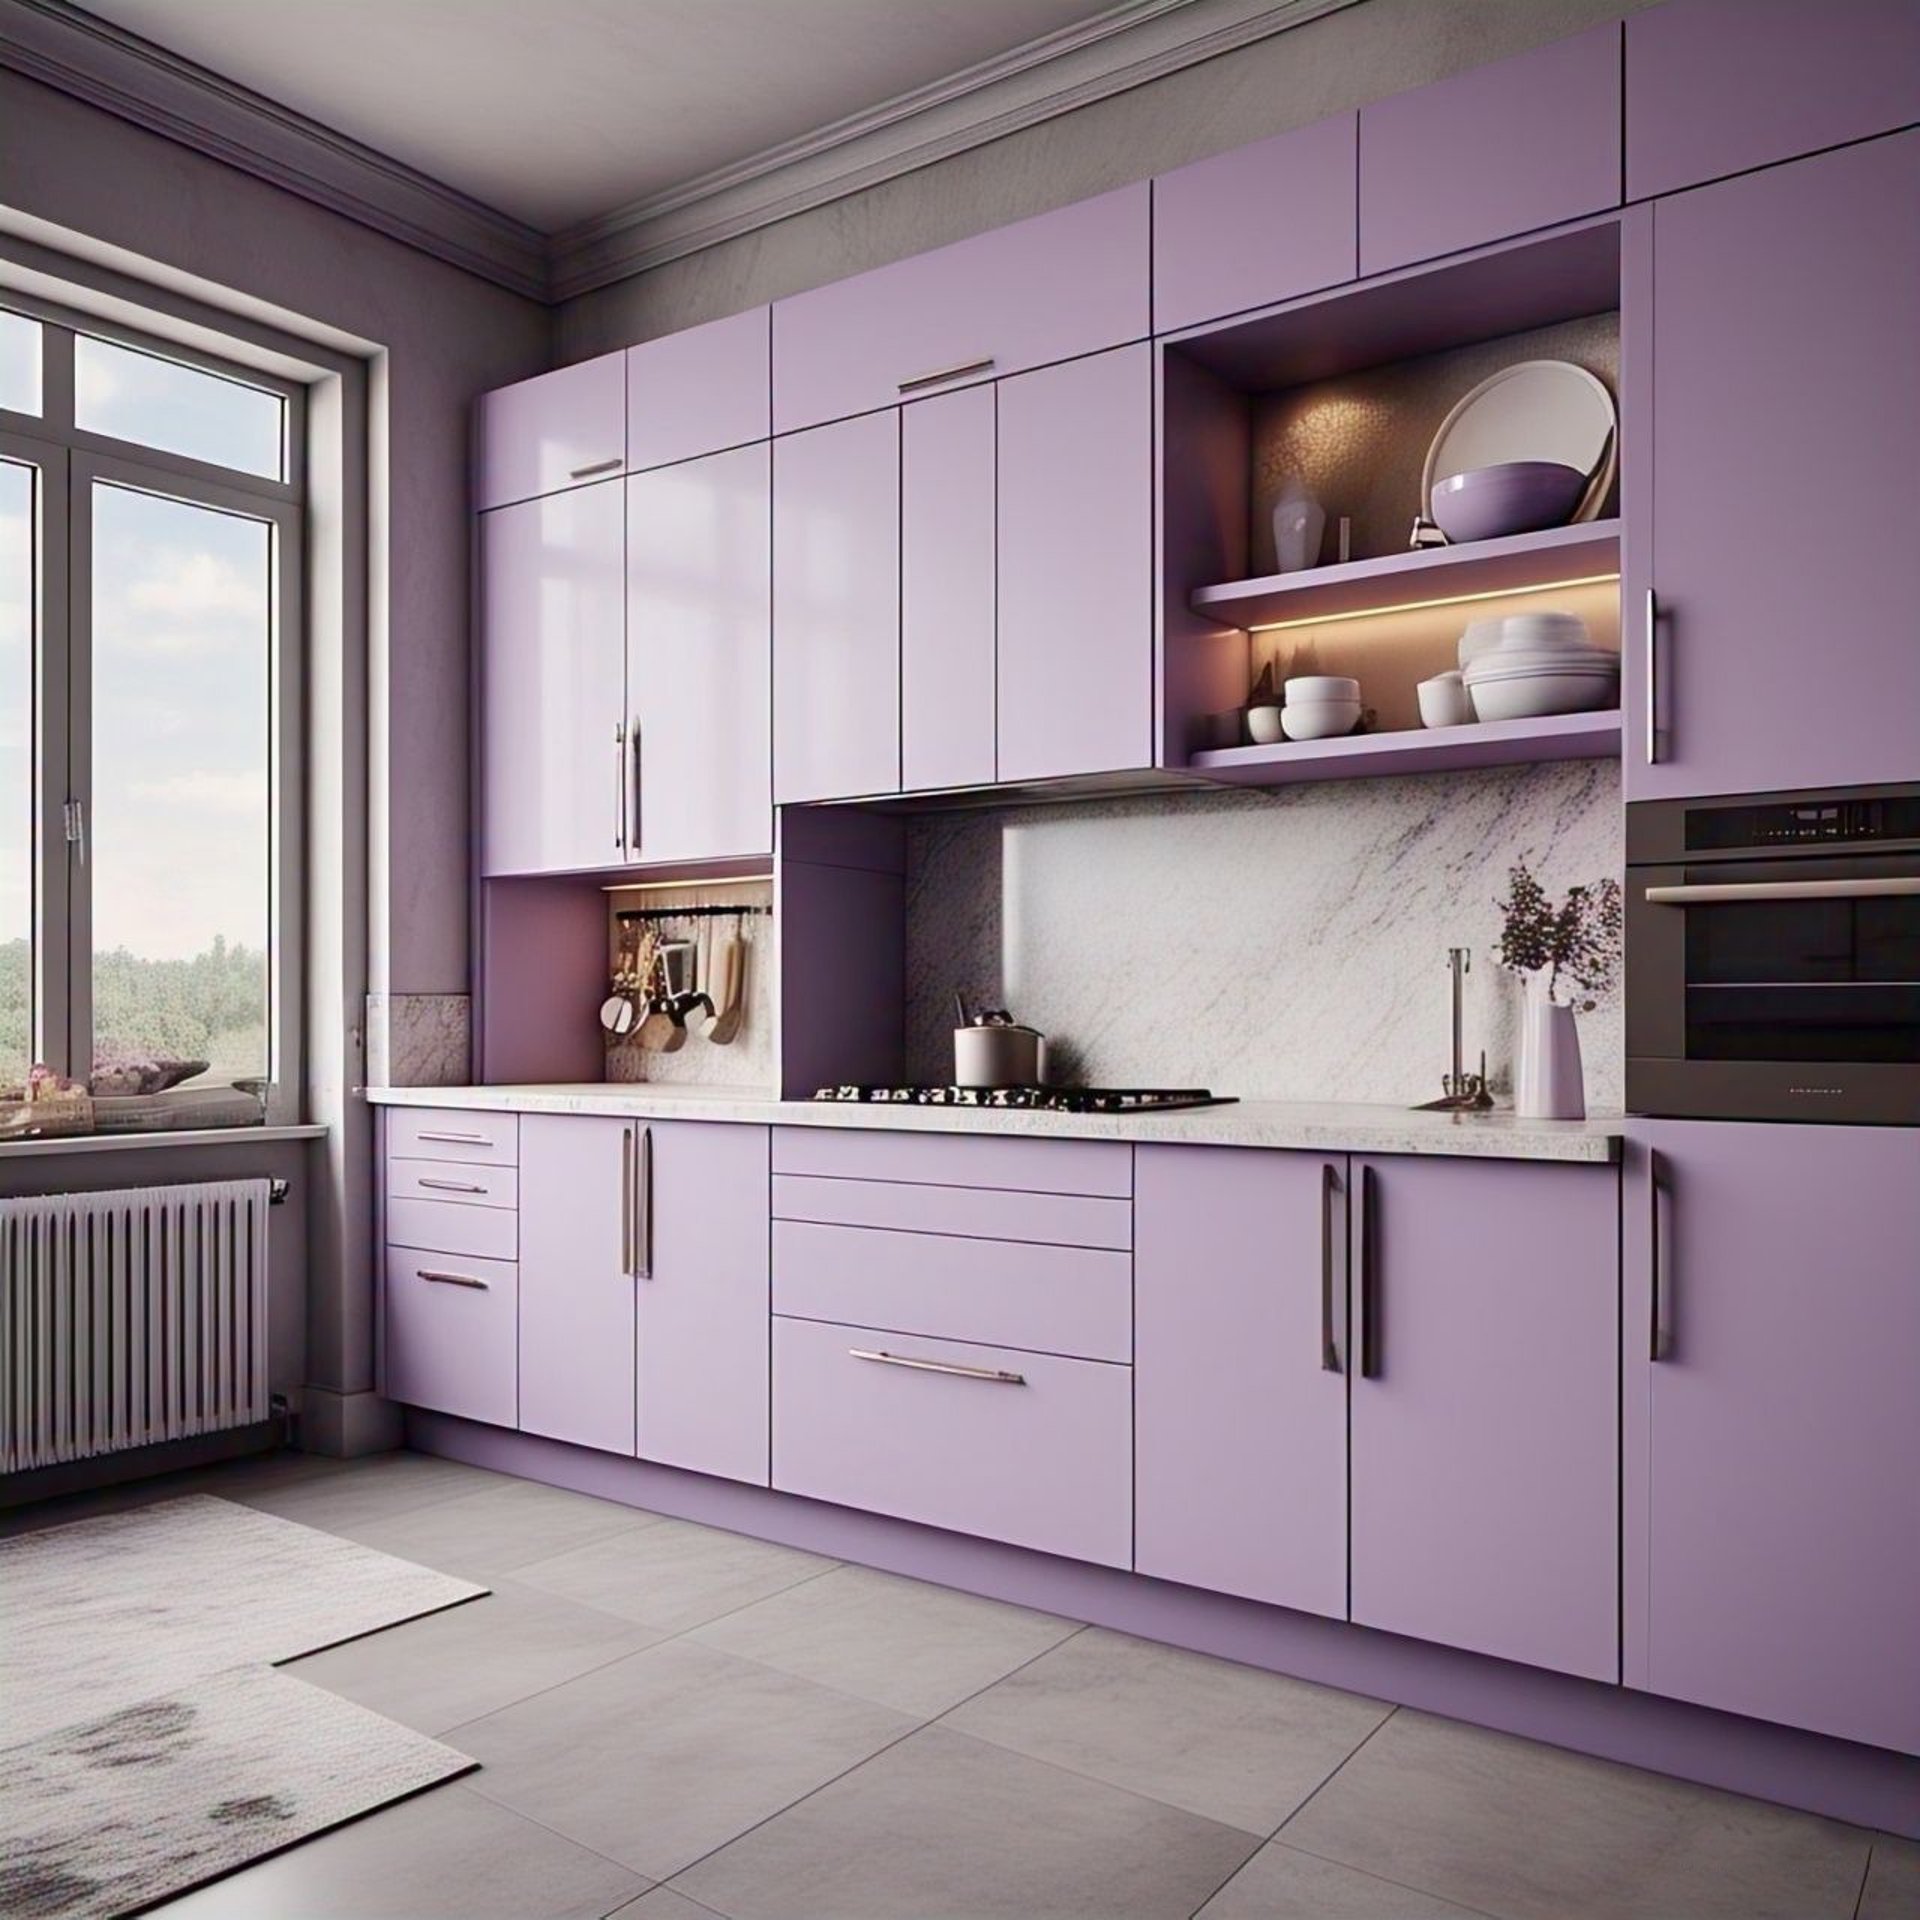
{"points": [[1571, 947]]}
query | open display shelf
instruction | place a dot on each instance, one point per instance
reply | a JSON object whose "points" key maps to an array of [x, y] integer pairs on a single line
{"points": [[1487, 743]]}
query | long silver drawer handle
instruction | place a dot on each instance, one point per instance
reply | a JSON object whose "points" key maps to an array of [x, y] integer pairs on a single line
{"points": [[450, 1279], [460, 1139], [1659, 1337], [999, 1374], [448, 1186], [1706, 894], [599, 466], [1653, 683], [619, 785], [643, 1206], [626, 1202], [914, 382], [1329, 1346]]}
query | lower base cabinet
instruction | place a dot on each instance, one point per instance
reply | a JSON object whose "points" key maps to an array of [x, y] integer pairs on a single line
{"points": [[452, 1334]]}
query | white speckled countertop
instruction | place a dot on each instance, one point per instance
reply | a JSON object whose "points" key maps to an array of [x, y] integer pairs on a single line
{"points": [[1313, 1126]]}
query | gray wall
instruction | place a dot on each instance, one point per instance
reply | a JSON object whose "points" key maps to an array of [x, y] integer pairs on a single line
{"points": [[1337, 62]]}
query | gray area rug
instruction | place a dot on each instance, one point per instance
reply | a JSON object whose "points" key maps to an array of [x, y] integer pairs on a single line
{"points": [[146, 1745]]}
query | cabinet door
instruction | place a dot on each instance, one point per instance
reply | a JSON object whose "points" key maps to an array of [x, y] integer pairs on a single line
{"points": [[1239, 1389], [700, 391], [1486, 1423], [947, 591], [1720, 86], [553, 674], [1772, 1527], [1781, 495], [702, 1311], [1495, 151], [1076, 567], [700, 658], [836, 610], [576, 1279], [555, 431], [1259, 224]]}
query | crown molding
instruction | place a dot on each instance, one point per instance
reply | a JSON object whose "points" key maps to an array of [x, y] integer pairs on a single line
{"points": [[1121, 48], [60, 45]]}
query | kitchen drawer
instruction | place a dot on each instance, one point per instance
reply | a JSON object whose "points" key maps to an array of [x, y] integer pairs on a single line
{"points": [[958, 1160], [1045, 1299], [1057, 1219], [1051, 288], [1043, 1458], [460, 1182], [445, 1226], [418, 1133], [452, 1335]]}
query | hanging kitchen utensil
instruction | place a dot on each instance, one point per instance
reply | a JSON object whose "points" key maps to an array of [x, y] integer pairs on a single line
{"points": [[733, 989], [702, 1012], [657, 1029]]}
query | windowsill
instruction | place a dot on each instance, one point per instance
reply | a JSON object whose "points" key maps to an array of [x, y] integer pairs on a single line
{"points": [[133, 1142]]}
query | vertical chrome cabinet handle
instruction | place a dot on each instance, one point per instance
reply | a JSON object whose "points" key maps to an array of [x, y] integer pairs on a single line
{"points": [[643, 1202], [633, 794], [1659, 1335], [626, 1201], [1368, 1280], [1653, 681], [619, 786], [1329, 1346]]}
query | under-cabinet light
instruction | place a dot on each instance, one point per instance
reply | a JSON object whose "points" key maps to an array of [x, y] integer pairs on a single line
{"points": [[1421, 606], [684, 886]]}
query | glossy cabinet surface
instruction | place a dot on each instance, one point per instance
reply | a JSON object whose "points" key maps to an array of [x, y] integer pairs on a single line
{"points": [[1778, 484], [1772, 1529], [1256, 225], [1485, 1435], [1063, 283], [701, 1307], [1240, 1388], [559, 430], [1715, 87], [1075, 542], [947, 590], [553, 676], [1495, 151], [836, 610], [699, 638], [1097, 1167], [701, 390], [452, 1334], [576, 1287]]}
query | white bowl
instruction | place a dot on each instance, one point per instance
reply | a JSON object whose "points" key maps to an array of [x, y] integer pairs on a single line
{"points": [[1482, 671], [1321, 686], [1545, 627], [1263, 725], [1319, 719], [1537, 695], [1443, 701]]}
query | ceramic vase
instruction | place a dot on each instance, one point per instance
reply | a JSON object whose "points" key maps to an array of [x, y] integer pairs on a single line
{"points": [[1299, 523], [1547, 1080]]}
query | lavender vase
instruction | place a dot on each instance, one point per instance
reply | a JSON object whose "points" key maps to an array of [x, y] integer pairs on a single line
{"points": [[1547, 1080]]}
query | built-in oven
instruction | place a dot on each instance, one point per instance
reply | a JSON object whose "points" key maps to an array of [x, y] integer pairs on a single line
{"points": [[1773, 956]]}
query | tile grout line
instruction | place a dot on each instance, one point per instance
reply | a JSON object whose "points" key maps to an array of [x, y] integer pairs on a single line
{"points": [[1331, 1777], [1866, 1875]]}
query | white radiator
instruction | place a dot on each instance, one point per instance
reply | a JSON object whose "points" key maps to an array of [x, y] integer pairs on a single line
{"points": [[130, 1317]]}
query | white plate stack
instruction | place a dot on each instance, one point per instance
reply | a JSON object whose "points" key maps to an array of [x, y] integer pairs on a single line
{"points": [[1525, 665]]}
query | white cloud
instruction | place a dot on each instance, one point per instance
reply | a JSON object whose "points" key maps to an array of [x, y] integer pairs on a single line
{"points": [[233, 793]]}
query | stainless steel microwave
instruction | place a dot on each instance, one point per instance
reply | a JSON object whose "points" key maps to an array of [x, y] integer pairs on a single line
{"points": [[1773, 956]]}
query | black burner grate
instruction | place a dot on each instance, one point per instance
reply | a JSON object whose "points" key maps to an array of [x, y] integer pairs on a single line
{"points": [[1033, 1099]]}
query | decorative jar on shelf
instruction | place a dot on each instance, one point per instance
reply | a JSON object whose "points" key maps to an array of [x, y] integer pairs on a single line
{"points": [[1299, 524]]}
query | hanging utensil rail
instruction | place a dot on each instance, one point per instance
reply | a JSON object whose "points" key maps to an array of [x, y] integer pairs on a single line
{"points": [[688, 913]]}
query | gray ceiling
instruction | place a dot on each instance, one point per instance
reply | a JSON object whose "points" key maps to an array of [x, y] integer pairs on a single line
{"points": [[555, 111]]}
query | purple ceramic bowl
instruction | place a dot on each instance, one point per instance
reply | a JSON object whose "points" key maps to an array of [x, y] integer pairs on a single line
{"points": [[1518, 496]]}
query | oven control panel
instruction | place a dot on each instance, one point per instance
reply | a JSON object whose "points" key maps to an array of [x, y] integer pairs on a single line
{"points": [[1805, 822]]}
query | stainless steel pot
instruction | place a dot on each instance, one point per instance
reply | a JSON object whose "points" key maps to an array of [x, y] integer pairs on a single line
{"points": [[995, 1050]]}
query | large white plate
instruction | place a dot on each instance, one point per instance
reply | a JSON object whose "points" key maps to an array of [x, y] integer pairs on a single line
{"points": [[1537, 410]]}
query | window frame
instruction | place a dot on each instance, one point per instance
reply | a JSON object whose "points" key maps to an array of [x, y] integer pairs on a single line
{"points": [[71, 462]]}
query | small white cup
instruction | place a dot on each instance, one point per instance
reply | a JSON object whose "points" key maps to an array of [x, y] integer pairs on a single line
{"points": [[1444, 702], [1263, 725]]}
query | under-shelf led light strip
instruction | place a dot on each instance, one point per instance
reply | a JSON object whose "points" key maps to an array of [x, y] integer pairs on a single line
{"points": [[1421, 606]]}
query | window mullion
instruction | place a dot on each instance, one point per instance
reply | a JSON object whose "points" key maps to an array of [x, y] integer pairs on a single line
{"points": [[56, 378], [70, 862]]}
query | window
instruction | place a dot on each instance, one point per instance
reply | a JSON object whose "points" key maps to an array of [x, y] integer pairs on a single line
{"points": [[150, 546]]}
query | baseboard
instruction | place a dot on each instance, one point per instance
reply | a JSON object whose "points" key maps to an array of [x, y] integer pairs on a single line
{"points": [[1866, 1785], [343, 1426], [140, 1463]]}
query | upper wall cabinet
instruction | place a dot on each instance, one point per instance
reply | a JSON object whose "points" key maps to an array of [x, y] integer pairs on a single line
{"points": [[1495, 151], [1045, 289], [700, 391], [1257, 225], [559, 430], [1718, 86]]}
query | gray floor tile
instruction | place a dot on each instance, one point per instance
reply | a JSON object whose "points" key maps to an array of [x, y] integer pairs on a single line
{"points": [[437, 1673], [497, 1528], [365, 1490], [1893, 1880], [446, 1855], [255, 1473], [664, 1904], [1227, 1742], [670, 1753], [943, 1825], [904, 1643], [672, 1575], [1281, 1883], [1535, 1833]]}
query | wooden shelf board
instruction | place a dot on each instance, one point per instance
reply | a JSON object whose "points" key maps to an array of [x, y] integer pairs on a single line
{"points": [[1493, 743]]}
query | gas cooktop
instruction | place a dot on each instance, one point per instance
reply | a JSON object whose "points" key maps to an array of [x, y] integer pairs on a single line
{"points": [[1034, 1099]]}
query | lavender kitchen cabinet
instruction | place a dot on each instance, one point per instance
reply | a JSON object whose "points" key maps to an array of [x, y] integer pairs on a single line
{"points": [[701, 390], [1485, 1413], [947, 599], [1256, 225], [552, 696], [1718, 86], [451, 1334], [1772, 1563], [1240, 1388], [1075, 541], [699, 640], [836, 610], [1497, 150], [702, 1300], [577, 1279], [1772, 495], [555, 431]]}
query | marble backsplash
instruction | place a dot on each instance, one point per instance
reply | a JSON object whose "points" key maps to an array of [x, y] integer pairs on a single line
{"points": [[419, 1039], [1285, 944]]}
